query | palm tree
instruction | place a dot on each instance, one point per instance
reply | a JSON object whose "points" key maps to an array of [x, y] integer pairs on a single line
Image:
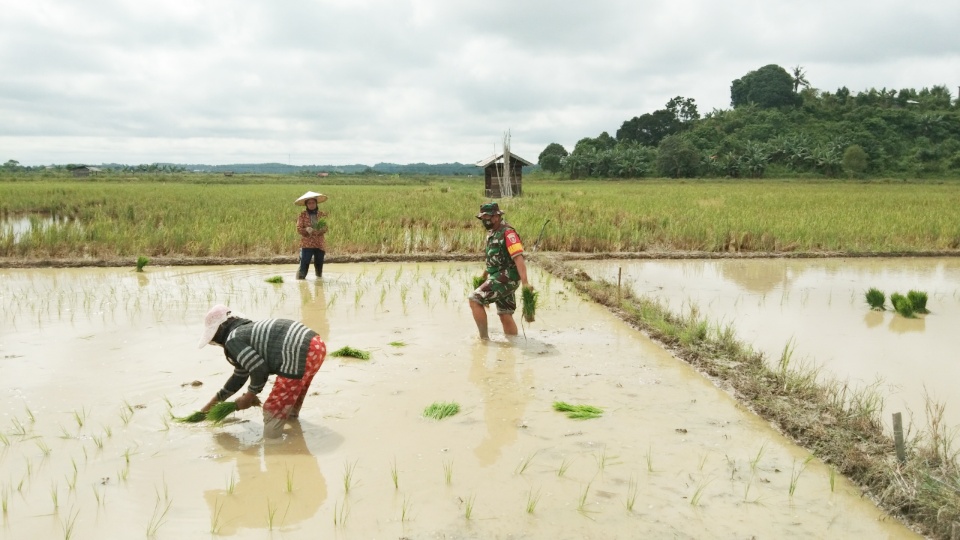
{"points": [[799, 79]]}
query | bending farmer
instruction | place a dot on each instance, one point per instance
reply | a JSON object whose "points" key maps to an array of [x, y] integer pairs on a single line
{"points": [[256, 350]]}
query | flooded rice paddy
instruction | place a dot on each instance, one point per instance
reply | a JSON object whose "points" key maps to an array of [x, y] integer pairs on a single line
{"points": [[95, 362], [818, 307]]}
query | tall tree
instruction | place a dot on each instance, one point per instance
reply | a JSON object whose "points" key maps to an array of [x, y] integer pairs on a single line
{"points": [[552, 156], [799, 78], [769, 86]]}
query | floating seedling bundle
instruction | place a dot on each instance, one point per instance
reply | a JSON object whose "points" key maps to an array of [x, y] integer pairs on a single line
{"points": [[876, 299], [351, 352], [578, 412], [439, 411]]}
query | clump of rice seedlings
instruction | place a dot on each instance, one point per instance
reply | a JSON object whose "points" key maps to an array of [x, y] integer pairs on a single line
{"points": [[397, 344], [438, 410], [582, 501], [405, 510], [902, 305], [43, 448], [448, 472], [141, 262], [468, 506], [477, 282], [348, 470], [271, 514], [290, 480], [528, 299], [160, 511], [649, 458], [564, 465], [578, 412], [532, 500], [919, 301], [795, 473], [698, 493], [193, 418], [231, 484], [631, 498], [351, 352], [274, 279], [876, 299], [69, 524], [219, 412], [215, 524], [524, 463], [395, 474]]}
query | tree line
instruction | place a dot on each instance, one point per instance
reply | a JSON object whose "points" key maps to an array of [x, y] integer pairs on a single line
{"points": [[778, 125]]}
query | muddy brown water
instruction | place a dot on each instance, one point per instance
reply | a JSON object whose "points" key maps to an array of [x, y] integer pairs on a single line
{"points": [[95, 361], [818, 307]]}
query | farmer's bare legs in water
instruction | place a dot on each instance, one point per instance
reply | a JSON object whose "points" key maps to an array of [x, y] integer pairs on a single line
{"points": [[480, 317]]}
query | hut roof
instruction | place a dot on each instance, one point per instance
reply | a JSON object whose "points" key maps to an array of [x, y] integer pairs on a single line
{"points": [[498, 157]]}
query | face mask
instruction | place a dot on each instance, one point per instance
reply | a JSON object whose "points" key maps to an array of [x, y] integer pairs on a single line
{"points": [[487, 224]]}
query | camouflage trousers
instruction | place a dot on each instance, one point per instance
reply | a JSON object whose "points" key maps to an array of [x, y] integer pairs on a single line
{"points": [[502, 294]]}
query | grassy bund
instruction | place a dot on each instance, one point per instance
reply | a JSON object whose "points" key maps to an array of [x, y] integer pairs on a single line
{"points": [[190, 217], [175, 216]]}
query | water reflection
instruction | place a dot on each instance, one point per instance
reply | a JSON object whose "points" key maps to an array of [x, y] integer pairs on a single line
{"points": [[19, 227], [873, 319], [313, 308], [276, 485], [493, 369], [901, 325]]}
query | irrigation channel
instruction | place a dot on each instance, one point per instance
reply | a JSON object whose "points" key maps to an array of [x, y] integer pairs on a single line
{"points": [[95, 361]]}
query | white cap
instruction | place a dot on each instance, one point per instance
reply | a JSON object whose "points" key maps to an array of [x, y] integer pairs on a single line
{"points": [[217, 315]]}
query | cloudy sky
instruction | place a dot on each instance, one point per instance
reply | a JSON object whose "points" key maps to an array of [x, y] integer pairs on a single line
{"points": [[366, 81]]}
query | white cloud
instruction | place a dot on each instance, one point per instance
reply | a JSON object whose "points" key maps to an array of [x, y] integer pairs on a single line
{"points": [[342, 82]]}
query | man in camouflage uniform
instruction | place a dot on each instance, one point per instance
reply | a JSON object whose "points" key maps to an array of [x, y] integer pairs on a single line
{"points": [[506, 271]]}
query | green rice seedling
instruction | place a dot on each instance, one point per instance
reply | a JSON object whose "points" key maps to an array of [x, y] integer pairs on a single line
{"points": [[477, 282], [532, 500], [167, 401], [902, 305], [33, 419], [649, 459], [756, 460], [126, 415], [631, 498], [698, 493], [192, 418], [703, 461], [55, 497], [159, 515], [215, 524], [351, 352], [795, 473], [438, 410], [166, 424], [785, 357], [72, 481], [18, 428], [219, 412], [108, 431], [405, 510], [98, 441], [564, 465], [397, 344], [4, 440], [271, 514], [876, 299], [141, 262], [290, 480], [274, 279], [124, 473], [231, 484], [341, 511], [448, 472], [80, 417], [101, 498], [64, 434], [68, 524], [528, 300], [582, 500], [43, 447], [395, 475], [578, 412], [468, 507], [348, 471], [919, 301], [524, 463], [5, 499]]}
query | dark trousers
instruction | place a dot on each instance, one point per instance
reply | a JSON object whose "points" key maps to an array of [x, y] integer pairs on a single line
{"points": [[310, 253]]}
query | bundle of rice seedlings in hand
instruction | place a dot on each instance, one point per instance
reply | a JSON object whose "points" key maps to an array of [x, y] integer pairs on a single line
{"points": [[193, 418], [477, 282], [579, 412], [321, 224], [876, 299], [440, 411], [219, 412], [528, 298], [351, 352]]}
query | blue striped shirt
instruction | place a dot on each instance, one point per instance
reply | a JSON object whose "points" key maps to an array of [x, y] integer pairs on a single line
{"points": [[263, 348]]}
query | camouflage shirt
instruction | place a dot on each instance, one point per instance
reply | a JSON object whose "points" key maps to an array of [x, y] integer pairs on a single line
{"points": [[502, 246]]}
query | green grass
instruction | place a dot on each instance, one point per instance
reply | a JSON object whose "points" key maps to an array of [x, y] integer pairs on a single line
{"points": [[578, 412], [274, 279], [348, 351], [129, 216], [876, 299], [439, 411]]}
